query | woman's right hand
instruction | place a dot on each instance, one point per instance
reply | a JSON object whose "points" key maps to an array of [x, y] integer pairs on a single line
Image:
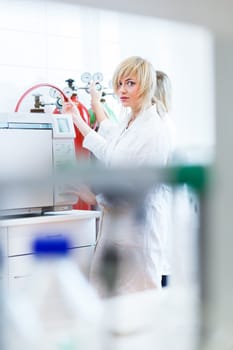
{"points": [[67, 108], [70, 107]]}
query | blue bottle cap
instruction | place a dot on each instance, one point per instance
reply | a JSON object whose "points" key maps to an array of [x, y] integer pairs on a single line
{"points": [[51, 245]]}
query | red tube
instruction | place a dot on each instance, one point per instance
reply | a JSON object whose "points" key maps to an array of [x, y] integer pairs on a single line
{"points": [[35, 87]]}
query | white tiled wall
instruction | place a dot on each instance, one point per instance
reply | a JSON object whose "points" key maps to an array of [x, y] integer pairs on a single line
{"points": [[45, 41]]}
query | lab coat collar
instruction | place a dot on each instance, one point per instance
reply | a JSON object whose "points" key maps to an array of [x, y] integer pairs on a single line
{"points": [[146, 114]]}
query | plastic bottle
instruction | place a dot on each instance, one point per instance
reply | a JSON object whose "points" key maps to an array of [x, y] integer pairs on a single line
{"points": [[62, 309]]}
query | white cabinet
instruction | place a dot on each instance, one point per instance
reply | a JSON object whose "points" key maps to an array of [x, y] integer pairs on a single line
{"points": [[17, 236]]}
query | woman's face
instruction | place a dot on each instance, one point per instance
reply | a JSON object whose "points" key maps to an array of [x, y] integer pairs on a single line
{"points": [[128, 92]]}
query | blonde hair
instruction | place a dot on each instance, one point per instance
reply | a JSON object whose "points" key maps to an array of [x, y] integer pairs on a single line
{"points": [[162, 96], [143, 71]]}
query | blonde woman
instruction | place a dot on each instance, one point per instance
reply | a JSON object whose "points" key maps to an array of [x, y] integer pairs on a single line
{"points": [[140, 139]]}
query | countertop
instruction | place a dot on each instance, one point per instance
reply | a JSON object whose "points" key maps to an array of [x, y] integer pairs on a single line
{"points": [[67, 215]]}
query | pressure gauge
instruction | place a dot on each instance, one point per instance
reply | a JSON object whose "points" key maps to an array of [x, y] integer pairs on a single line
{"points": [[97, 77], [54, 93], [68, 91], [59, 103], [98, 86], [86, 77]]}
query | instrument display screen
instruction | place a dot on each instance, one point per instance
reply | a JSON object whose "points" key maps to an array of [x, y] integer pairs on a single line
{"points": [[63, 125]]}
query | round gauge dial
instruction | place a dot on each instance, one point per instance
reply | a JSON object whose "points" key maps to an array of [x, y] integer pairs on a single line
{"points": [[54, 93], [98, 76], [59, 103], [86, 77], [68, 91], [98, 86]]}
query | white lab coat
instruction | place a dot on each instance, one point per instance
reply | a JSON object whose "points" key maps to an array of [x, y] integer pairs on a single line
{"points": [[147, 142]]}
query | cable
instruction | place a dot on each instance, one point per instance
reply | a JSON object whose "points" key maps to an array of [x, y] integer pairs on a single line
{"points": [[35, 87]]}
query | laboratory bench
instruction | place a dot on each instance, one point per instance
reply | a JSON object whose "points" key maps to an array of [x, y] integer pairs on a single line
{"points": [[17, 235]]}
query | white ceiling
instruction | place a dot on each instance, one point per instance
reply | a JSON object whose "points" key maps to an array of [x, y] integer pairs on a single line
{"points": [[216, 15]]}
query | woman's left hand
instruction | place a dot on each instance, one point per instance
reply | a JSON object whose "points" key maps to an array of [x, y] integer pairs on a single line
{"points": [[84, 193], [95, 94]]}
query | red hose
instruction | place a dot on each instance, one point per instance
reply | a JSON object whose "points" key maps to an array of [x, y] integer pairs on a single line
{"points": [[35, 87]]}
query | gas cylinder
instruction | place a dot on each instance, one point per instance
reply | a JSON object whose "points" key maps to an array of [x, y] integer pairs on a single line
{"points": [[81, 153]]}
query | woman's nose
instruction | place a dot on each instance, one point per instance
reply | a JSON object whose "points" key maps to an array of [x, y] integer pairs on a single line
{"points": [[122, 88]]}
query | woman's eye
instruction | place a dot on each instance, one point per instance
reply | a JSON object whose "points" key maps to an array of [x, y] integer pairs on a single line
{"points": [[130, 83]]}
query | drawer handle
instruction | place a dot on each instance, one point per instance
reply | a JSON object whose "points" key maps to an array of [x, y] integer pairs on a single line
{"points": [[21, 276]]}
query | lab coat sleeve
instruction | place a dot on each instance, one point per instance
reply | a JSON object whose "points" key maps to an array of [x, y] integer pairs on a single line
{"points": [[96, 143], [107, 128], [154, 151]]}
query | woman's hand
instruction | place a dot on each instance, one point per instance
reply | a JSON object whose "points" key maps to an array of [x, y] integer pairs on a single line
{"points": [[95, 95], [84, 193], [70, 107], [87, 195], [96, 105]]}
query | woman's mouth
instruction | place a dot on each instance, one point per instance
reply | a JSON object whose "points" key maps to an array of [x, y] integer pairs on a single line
{"points": [[123, 98]]}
